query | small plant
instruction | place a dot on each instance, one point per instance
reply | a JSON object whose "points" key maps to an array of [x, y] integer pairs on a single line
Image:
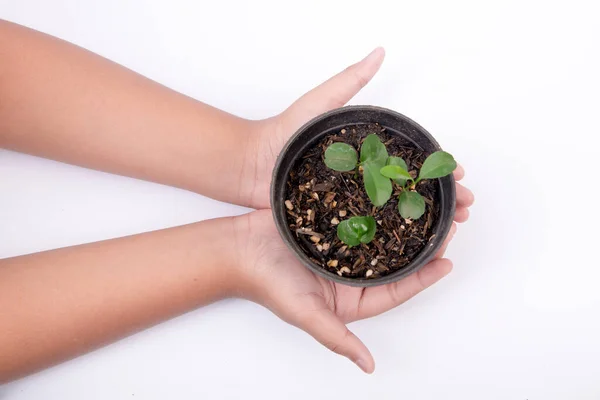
{"points": [[410, 203], [373, 156], [357, 230], [379, 170]]}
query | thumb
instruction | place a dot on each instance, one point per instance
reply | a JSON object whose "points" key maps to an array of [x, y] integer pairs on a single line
{"points": [[326, 327], [334, 92]]}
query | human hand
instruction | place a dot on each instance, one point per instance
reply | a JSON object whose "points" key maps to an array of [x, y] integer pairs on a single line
{"points": [[271, 134], [273, 277]]}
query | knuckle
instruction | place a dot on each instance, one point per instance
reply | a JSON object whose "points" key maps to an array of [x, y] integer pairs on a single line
{"points": [[421, 283], [394, 294], [361, 80], [358, 77], [337, 346], [334, 347]]}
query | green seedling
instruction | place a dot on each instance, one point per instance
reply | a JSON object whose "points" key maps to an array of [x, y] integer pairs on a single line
{"points": [[410, 203], [357, 230], [373, 156]]}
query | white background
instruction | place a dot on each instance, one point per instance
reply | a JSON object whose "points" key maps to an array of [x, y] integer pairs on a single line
{"points": [[510, 88]]}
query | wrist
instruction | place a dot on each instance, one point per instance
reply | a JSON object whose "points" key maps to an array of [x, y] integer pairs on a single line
{"points": [[249, 248], [211, 248], [261, 148]]}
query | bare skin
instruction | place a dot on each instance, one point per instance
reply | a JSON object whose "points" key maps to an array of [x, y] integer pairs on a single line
{"points": [[85, 110]]}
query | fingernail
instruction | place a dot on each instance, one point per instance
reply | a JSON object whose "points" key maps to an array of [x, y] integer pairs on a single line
{"points": [[373, 54], [362, 365]]}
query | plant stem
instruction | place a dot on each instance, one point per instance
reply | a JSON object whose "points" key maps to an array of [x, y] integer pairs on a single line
{"points": [[407, 185]]}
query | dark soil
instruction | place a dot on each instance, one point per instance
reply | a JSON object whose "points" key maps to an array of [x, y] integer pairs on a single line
{"points": [[318, 197]]}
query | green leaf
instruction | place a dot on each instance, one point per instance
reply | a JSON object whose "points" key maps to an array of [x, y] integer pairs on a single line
{"points": [[395, 172], [378, 187], [357, 230], [341, 157], [411, 205], [401, 163], [373, 156], [372, 150], [437, 165], [397, 161]]}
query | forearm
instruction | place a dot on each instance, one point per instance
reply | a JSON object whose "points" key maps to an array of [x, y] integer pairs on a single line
{"points": [[57, 304], [64, 103]]}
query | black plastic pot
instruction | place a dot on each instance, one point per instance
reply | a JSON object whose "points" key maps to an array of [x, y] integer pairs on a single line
{"points": [[330, 122]]}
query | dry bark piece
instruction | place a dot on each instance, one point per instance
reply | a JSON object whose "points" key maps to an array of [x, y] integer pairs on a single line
{"points": [[329, 197], [305, 231], [323, 187]]}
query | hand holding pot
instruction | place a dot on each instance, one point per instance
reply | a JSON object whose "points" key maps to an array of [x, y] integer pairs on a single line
{"points": [[266, 143], [273, 277], [276, 279]]}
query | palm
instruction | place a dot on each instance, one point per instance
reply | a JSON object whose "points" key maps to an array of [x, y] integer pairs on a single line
{"points": [[296, 289]]}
